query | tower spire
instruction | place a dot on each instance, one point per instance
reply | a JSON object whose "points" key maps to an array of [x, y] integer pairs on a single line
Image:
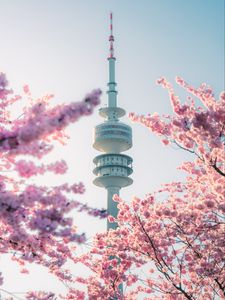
{"points": [[112, 93], [111, 37]]}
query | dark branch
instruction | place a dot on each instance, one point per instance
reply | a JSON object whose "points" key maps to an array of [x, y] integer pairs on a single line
{"points": [[220, 286]]}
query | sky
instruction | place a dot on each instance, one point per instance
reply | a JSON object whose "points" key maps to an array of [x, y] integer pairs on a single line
{"points": [[61, 47]]}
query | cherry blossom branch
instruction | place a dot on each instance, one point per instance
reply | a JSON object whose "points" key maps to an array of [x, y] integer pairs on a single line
{"points": [[161, 266], [44, 124], [218, 170], [188, 150], [221, 286], [11, 294]]}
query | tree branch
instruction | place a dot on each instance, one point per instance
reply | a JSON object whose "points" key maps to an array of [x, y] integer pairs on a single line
{"points": [[220, 286]]}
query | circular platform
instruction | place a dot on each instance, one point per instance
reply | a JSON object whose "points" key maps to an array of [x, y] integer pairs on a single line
{"points": [[113, 170], [112, 137], [112, 181], [116, 112]]}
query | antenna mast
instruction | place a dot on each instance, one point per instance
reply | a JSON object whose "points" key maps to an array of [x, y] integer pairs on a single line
{"points": [[111, 37]]}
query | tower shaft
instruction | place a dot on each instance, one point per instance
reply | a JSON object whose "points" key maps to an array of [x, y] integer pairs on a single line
{"points": [[112, 93]]}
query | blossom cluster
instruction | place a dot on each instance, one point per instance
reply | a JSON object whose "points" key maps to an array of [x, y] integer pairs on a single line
{"points": [[177, 233], [34, 222]]}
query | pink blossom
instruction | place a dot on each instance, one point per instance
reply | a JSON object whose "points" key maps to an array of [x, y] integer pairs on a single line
{"points": [[111, 219], [177, 233], [3, 86], [35, 226], [165, 142], [209, 203], [26, 89], [59, 167], [40, 296]]}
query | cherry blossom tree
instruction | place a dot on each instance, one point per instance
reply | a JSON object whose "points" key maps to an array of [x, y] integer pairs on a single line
{"points": [[171, 244], [34, 226]]}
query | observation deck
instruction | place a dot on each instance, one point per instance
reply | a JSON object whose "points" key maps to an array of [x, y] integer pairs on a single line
{"points": [[112, 137], [113, 170]]}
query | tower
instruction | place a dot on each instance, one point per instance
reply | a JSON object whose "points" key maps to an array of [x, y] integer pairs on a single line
{"points": [[112, 137]]}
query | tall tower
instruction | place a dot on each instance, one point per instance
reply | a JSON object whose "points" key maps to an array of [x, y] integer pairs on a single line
{"points": [[112, 137]]}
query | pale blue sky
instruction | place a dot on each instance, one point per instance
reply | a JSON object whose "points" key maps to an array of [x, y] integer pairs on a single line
{"points": [[61, 47]]}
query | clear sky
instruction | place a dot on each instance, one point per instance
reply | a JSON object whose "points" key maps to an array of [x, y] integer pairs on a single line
{"points": [[61, 47]]}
